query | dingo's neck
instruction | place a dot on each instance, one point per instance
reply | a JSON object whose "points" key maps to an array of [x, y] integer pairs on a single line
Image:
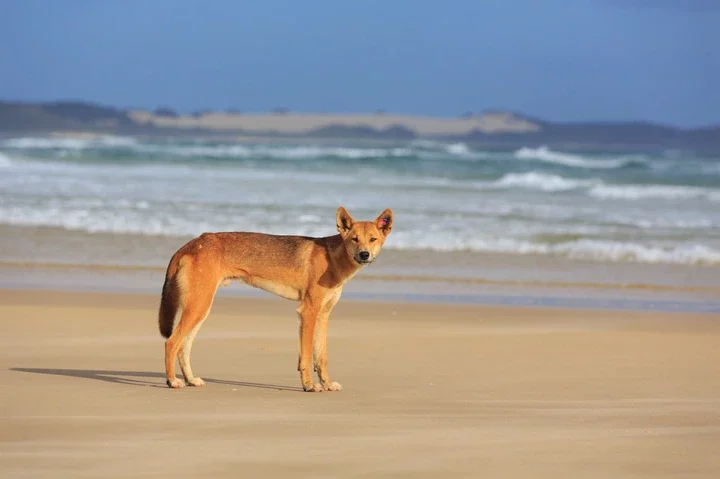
{"points": [[339, 257]]}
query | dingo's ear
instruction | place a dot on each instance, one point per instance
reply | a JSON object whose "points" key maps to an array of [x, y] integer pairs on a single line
{"points": [[343, 221], [384, 222]]}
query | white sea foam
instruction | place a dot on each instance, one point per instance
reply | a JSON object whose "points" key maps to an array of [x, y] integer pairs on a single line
{"points": [[436, 150], [683, 220], [620, 251], [596, 188], [40, 143], [318, 152], [663, 192], [542, 181], [151, 220], [275, 152], [566, 159], [115, 141], [44, 143], [457, 150], [460, 149], [585, 249], [423, 148], [5, 161], [144, 217]]}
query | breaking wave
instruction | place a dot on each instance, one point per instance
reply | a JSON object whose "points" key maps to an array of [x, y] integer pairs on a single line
{"points": [[581, 249], [577, 161], [39, 143], [664, 192], [284, 153], [146, 218], [460, 149], [543, 182], [597, 188]]}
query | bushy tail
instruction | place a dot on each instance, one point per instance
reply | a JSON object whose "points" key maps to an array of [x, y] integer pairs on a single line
{"points": [[170, 299]]}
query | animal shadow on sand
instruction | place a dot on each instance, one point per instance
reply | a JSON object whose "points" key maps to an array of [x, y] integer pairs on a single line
{"points": [[140, 378]]}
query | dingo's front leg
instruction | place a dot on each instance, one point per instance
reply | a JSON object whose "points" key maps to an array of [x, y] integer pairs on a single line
{"points": [[308, 314], [320, 353], [320, 345]]}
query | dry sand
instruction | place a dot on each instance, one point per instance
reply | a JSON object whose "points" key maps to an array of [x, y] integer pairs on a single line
{"points": [[430, 391]]}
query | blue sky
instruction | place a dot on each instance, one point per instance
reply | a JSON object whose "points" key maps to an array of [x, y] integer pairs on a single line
{"points": [[562, 60]]}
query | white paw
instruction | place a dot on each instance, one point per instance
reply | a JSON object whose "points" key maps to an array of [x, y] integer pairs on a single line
{"points": [[333, 386], [313, 388], [197, 382], [175, 383]]}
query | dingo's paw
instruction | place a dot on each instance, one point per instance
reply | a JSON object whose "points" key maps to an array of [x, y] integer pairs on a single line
{"points": [[333, 386], [197, 382], [313, 388], [175, 383]]}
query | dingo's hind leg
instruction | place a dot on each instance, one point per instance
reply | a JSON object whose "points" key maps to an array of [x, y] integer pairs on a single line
{"points": [[196, 309], [184, 355]]}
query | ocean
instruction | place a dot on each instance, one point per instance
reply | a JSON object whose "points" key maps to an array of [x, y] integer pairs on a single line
{"points": [[606, 206]]}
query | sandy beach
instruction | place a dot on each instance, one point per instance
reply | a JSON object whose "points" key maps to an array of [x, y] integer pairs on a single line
{"points": [[430, 391]]}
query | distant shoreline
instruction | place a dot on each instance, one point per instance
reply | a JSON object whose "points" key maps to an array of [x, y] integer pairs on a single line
{"points": [[306, 123], [491, 127]]}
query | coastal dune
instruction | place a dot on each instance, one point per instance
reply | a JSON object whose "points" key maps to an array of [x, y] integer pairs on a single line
{"points": [[303, 123], [430, 390]]}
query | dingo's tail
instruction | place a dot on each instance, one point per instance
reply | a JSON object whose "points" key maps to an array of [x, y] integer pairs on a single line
{"points": [[170, 299]]}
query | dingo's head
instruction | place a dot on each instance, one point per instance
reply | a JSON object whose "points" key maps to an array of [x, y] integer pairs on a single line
{"points": [[363, 239]]}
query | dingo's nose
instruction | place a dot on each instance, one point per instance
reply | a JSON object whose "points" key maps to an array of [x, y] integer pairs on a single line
{"points": [[364, 255]]}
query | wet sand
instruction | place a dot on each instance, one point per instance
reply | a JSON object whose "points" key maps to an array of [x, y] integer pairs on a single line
{"points": [[51, 258], [429, 391]]}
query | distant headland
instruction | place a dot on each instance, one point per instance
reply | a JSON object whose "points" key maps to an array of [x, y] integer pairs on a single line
{"points": [[494, 127]]}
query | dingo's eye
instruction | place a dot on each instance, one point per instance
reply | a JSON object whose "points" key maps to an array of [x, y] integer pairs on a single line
{"points": [[373, 239], [355, 239]]}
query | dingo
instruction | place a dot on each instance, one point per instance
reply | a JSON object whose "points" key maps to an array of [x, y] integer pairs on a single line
{"points": [[312, 271]]}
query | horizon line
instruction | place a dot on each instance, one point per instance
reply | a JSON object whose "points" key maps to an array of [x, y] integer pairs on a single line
{"points": [[468, 114]]}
